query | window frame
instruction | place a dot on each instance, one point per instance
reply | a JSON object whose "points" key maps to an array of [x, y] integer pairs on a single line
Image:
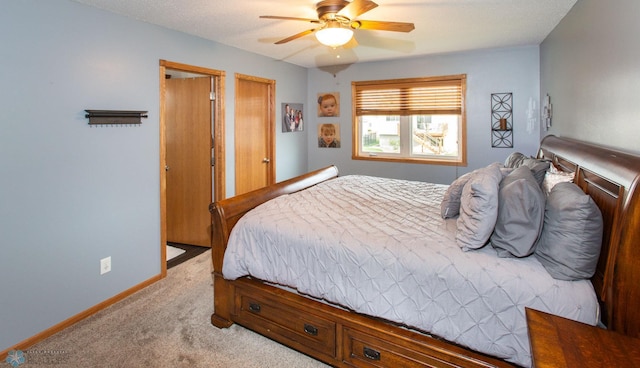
{"points": [[402, 109]]}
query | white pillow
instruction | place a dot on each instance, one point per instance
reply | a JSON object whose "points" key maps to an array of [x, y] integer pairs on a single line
{"points": [[478, 208], [555, 176]]}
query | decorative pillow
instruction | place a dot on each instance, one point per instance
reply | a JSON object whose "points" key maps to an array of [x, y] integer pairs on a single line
{"points": [[506, 171], [553, 177], [514, 160], [520, 214], [571, 238], [538, 168], [450, 205], [478, 208]]}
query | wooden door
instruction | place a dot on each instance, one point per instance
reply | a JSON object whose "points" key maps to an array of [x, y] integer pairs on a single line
{"points": [[254, 130], [188, 157]]}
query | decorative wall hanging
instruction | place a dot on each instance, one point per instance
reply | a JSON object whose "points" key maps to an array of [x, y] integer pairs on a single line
{"points": [[502, 120], [547, 112], [292, 117], [115, 117]]}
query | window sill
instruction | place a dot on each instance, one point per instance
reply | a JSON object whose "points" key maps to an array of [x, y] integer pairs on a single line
{"points": [[406, 160]]}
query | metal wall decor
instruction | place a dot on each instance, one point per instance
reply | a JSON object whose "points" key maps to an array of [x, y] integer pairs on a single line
{"points": [[502, 120], [547, 112]]}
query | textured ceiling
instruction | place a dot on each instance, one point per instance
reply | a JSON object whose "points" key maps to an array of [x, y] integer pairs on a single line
{"points": [[441, 26]]}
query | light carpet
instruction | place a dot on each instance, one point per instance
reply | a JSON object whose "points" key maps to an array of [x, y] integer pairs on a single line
{"points": [[166, 324]]}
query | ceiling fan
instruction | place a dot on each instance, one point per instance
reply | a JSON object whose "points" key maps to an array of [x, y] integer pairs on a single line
{"points": [[337, 20]]}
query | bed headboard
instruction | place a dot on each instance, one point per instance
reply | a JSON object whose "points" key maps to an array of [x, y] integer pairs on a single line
{"points": [[611, 178]]}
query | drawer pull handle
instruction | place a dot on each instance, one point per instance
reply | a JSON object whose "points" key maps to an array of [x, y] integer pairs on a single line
{"points": [[254, 307], [370, 353], [310, 329]]}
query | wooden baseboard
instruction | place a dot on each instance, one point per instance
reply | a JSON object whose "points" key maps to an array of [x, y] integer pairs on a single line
{"points": [[23, 345]]}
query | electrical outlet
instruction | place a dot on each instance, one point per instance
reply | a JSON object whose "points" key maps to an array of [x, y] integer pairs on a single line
{"points": [[105, 265]]}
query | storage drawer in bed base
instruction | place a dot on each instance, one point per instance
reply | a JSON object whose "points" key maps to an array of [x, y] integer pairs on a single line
{"points": [[363, 350], [285, 323], [341, 338]]}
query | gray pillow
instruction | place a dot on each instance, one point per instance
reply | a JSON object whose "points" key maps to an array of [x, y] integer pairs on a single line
{"points": [[520, 214], [514, 160], [450, 205], [571, 238], [538, 168], [506, 171], [478, 208]]}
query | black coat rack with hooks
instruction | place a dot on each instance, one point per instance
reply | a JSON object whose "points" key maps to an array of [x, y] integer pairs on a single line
{"points": [[115, 117]]}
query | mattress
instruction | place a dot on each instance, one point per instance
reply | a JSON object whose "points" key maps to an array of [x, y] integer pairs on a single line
{"points": [[379, 247]]}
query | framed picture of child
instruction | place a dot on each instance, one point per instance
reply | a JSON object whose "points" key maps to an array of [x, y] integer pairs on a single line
{"points": [[292, 117], [329, 104], [329, 135]]}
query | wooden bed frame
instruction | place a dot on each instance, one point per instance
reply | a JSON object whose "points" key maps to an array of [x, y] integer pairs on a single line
{"points": [[344, 339]]}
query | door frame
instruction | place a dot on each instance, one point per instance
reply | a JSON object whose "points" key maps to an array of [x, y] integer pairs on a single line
{"points": [[219, 170]]}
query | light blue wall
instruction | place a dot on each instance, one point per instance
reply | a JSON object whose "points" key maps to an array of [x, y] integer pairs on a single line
{"points": [[71, 194], [590, 66], [513, 70]]}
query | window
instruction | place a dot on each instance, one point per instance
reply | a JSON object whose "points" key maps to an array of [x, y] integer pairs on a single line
{"points": [[410, 120]]}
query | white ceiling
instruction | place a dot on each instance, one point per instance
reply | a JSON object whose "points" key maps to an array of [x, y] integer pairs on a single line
{"points": [[441, 26]]}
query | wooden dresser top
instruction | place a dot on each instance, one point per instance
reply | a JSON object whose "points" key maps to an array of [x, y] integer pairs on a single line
{"points": [[559, 342]]}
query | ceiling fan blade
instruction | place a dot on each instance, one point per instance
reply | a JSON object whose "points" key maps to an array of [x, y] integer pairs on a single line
{"points": [[382, 26], [356, 8], [297, 35], [290, 18]]}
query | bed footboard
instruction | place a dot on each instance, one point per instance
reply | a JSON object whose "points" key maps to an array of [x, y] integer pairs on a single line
{"points": [[227, 212]]}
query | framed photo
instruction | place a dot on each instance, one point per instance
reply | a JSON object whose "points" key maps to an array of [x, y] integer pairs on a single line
{"points": [[329, 135], [292, 117], [329, 104]]}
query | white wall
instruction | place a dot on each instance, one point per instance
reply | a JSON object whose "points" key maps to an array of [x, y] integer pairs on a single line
{"points": [[513, 70], [590, 66], [71, 194]]}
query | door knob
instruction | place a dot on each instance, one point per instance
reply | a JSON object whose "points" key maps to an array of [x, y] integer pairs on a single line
{"points": [[266, 160], [166, 168]]}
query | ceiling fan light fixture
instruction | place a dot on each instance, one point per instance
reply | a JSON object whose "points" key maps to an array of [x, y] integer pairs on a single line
{"points": [[334, 35]]}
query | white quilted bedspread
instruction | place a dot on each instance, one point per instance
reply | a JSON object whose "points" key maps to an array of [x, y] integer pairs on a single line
{"points": [[379, 247]]}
